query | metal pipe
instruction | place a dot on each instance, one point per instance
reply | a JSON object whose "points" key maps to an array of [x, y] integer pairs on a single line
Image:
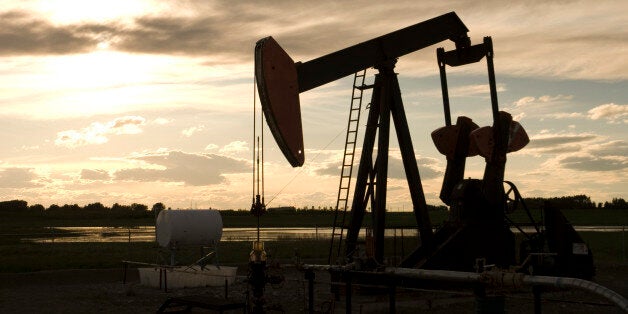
{"points": [[515, 280], [493, 278], [565, 282]]}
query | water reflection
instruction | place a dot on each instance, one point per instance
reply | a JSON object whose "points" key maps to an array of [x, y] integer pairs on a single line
{"points": [[147, 233]]}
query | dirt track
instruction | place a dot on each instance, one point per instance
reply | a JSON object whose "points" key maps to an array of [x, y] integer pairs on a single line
{"points": [[102, 291]]}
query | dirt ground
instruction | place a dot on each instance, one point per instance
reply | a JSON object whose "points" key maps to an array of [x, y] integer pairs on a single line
{"points": [[102, 291]]}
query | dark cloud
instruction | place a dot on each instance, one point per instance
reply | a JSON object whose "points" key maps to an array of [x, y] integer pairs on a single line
{"points": [[228, 32], [426, 168], [612, 148], [562, 149], [559, 139], [97, 175], [395, 169], [192, 169], [593, 163], [21, 33], [17, 178], [175, 35]]}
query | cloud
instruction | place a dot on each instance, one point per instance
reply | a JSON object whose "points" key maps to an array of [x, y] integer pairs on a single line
{"points": [[524, 101], [97, 133], [551, 141], [464, 91], [17, 178], [22, 33], [565, 115], [96, 175], [192, 130], [211, 147], [235, 147], [612, 148], [541, 100], [542, 106], [594, 163], [162, 121], [611, 112], [475, 89], [227, 31], [191, 169], [427, 168], [582, 152]]}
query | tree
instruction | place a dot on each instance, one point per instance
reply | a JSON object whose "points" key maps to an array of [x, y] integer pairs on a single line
{"points": [[37, 208], [157, 208], [97, 207], [135, 207], [14, 206], [616, 203]]}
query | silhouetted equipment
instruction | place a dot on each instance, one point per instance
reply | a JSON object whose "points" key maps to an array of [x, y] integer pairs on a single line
{"points": [[478, 232]]}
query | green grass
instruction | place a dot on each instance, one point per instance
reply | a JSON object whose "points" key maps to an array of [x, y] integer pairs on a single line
{"points": [[611, 247], [24, 257], [17, 256]]}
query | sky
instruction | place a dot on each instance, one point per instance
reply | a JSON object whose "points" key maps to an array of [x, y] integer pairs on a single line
{"points": [[144, 101]]}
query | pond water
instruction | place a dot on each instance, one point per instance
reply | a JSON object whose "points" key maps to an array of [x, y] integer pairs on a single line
{"points": [[147, 233]]}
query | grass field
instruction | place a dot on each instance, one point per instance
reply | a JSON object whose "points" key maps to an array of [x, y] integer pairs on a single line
{"points": [[607, 247], [18, 256]]}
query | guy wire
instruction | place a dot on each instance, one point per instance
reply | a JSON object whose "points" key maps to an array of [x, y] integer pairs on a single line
{"points": [[303, 168]]}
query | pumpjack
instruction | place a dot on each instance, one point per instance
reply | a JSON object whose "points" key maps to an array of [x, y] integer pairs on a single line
{"points": [[478, 230]]}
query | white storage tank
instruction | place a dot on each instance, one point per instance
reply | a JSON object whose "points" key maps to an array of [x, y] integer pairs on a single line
{"points": [[188, 227]]}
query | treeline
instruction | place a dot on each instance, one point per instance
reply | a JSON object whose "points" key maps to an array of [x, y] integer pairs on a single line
{"points": [[574, 202], [93, 210], [135, 210]]}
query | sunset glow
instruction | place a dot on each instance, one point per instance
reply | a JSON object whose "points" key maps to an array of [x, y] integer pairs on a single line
{"points": [[152, 101]]}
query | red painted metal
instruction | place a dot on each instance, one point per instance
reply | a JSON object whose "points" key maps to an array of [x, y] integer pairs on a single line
{"points": [[483, 140], [446, 139], [277, 81]]}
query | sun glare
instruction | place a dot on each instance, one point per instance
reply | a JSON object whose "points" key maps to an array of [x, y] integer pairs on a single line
{"points": [[100, 69], [103, 80]]}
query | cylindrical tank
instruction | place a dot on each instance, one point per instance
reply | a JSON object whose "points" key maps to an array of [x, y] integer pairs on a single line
{"points": [[188, 227]]}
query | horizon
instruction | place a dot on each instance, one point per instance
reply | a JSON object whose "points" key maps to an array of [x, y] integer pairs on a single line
{"points": [[152, 101]]}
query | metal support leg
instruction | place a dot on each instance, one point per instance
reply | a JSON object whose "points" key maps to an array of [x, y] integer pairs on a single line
{"points": [[392, 309], [309, 276], [348, 289], [536, 291]]}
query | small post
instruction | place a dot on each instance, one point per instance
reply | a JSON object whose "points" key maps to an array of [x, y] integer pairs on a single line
{"points": [[403, 252], [129, 235], [395, 245], [126, 265], [309, 276], [623, 242], [226, 288], [348, 292], [536, 291], [392, 298], [165, 280]]}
